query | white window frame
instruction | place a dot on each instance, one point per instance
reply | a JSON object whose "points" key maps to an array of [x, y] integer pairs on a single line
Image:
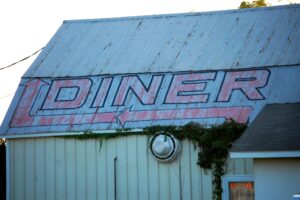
{"points": [[234, 178]]}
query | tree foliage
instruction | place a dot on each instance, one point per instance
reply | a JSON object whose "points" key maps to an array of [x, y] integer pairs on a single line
{"points": [[253, 4]]}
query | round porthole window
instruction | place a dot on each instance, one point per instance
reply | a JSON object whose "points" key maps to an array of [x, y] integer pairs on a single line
{"points": [[164, 146]]}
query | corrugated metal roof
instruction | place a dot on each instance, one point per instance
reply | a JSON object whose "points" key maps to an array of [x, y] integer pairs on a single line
{"points": [[276, 128], [103, 75], [181, 42]]}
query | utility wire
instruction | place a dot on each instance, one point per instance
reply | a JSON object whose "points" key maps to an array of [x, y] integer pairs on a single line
{"points": [[3, 97], [22, 59]]}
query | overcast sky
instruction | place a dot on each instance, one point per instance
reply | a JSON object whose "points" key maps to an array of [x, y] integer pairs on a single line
{"points": [[28, 25]]}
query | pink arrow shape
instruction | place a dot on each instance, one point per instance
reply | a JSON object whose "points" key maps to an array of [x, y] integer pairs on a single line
{"points": [[74, 119], [22, 116], [239, 114]]}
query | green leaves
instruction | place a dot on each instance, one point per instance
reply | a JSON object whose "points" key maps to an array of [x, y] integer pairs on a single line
{"points": [[253, 4], [214, 143]]}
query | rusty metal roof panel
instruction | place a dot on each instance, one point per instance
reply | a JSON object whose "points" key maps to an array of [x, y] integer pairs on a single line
{"points": [[233, 39]]}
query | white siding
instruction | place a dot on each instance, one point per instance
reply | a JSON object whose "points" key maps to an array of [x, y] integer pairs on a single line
{"points": [[276, 178], [59, 168]]}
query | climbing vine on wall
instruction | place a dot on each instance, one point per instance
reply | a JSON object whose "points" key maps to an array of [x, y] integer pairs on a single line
{"points": [[214, 143]]}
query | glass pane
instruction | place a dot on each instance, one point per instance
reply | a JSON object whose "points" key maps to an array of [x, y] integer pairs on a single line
{"points": [[241, 190]]}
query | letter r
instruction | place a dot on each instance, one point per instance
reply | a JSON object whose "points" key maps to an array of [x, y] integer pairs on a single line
{"points": [[248, 82]]}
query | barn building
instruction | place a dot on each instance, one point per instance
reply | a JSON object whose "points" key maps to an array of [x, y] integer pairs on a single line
{"points": [[102, 75]]}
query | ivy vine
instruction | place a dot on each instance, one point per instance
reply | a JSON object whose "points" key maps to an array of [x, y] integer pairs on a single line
{"points": [[214, 143]]}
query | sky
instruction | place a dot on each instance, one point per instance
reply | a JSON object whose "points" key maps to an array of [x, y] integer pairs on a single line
{"points": [[27, 26]]}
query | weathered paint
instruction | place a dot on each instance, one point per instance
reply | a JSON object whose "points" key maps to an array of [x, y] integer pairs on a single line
{"points": [[232, 39], [139, 100], [168, 70], [59, 168], [103, 75]]}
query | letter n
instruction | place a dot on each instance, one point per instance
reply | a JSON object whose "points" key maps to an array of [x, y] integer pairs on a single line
{"points": [[145, 94]]}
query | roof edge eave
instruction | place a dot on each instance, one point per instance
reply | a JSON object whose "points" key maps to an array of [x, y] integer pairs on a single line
{"points": [[161, 15], [265, 154]]}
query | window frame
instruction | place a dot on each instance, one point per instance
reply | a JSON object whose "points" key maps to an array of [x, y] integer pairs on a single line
{"points": [[234, 178]]}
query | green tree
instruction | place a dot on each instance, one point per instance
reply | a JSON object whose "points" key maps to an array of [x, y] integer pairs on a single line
{"points": [[253, 4]]}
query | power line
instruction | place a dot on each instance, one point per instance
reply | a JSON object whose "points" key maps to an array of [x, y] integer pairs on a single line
{"points": [[22, 59], [3, 97]]}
